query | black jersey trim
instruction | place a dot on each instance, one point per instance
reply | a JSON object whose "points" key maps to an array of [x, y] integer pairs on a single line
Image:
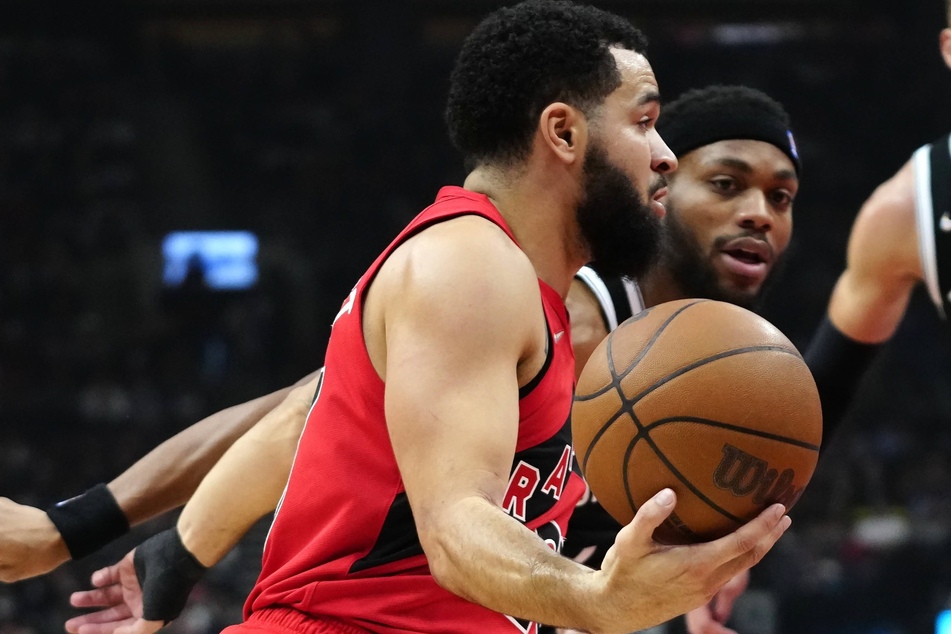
{"points": [[941, 208], [526, 389], [622, 306]]}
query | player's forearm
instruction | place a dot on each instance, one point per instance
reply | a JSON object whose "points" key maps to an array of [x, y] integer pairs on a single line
{"points": [[246, 483], [168, 475], [489, 558]]}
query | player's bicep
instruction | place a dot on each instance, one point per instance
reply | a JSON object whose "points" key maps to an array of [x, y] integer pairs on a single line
{"points": [[870, 298], [452, 386]]}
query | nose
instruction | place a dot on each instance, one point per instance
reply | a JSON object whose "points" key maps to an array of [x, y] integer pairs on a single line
{"points": [[754, 212], [663, 160]]}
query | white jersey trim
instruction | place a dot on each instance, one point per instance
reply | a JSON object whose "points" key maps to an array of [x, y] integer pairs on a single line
{"points": [[594, 282], [924, 217], [596, 285]]}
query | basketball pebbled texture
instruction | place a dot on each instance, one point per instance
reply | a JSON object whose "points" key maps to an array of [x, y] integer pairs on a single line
{"points": [[706, 398]]}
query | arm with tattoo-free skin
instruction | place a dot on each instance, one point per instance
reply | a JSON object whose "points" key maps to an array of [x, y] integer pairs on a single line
{"points": [[452, 373], [165, 478], [244, 486], [883, 264]]}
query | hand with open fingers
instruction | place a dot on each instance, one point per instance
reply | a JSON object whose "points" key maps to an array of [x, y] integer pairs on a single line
{"points": [[116, 591], [30, 545], [709, 618], [643, 583]]}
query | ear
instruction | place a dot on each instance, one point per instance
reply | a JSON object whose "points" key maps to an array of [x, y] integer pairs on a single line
{"points": [[946, 46], [564, 131]]}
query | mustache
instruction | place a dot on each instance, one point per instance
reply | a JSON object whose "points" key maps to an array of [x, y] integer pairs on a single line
{"points": [[659, 183], [722, 241]]}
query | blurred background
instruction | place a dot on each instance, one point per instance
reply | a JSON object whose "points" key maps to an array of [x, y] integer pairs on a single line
{"points": [[313, 128]]}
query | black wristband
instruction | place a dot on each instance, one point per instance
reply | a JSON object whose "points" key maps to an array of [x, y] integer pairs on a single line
{"points": [[167, 572], [838, 364], [89, 521]]}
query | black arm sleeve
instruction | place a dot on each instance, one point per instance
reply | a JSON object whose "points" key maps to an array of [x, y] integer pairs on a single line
{"points": [[838, 364]]}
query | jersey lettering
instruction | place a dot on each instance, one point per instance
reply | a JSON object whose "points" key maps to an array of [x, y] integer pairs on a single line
{"points": [[555, 483], [521, 486]]}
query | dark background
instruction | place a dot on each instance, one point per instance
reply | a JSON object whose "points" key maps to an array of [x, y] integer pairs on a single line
{"points": [[317, 125]]}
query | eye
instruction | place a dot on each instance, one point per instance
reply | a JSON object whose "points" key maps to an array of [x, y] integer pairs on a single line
{"points": [[647, 122], [781, 199], [724, 184]]}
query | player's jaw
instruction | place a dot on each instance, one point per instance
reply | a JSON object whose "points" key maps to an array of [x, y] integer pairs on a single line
{"points": [[621, 229], [732, 267]]}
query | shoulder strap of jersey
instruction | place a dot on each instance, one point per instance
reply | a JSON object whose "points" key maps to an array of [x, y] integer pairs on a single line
{"points": [[932, 169], [618, 297]]}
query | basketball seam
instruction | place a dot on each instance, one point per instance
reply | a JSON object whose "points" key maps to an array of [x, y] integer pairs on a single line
{"points": [[742, 430], [615, 383]]}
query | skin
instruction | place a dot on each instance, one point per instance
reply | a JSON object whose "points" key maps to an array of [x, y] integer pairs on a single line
{"points": [[451, 388], [720, 189], [883, 265], [30, 545]]}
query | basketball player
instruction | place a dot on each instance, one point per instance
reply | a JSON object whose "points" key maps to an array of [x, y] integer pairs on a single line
{"points": [[435, 389], [900, 238], [729, 220], [724, 186]]}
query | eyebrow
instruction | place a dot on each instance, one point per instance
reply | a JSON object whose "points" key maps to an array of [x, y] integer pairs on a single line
{"points": [[649, 97], [746, 168]]}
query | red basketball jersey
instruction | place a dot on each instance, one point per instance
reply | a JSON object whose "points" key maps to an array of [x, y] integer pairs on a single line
{"points": [[343, 546]]}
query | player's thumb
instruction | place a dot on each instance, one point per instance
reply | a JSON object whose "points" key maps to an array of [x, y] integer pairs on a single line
{"points": [[651, 515]]}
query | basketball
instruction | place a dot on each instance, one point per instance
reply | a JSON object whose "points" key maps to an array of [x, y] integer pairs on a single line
{"points": [[706, 398]]}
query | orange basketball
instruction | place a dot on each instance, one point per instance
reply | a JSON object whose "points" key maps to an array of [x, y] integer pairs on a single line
{"points": [[706, 398]]}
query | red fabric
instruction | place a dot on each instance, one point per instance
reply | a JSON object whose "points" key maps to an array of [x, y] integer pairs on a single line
{"points": [[345, 482]]}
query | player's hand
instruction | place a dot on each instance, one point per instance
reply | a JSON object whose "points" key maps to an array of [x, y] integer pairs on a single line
{"points": [[643, 583], [30, 545], [709, 618], [116, 591]]}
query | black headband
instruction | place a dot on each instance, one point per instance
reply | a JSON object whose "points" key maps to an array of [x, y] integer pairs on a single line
{"points": [[706, 125]]}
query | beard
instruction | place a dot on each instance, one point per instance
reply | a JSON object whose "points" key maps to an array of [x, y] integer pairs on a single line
{"points": [[620, 229], [693, 271]]}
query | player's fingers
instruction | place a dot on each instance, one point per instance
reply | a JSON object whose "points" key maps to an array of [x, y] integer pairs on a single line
{"points": [[105, 628], [750, 556], [106, 576], [143, 627], [98, 622], [97, 598], [755, 535], [723, 605], [651, 515]]}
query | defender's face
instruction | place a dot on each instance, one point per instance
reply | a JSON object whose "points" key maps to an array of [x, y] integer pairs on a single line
{"points": [[734, 199]]}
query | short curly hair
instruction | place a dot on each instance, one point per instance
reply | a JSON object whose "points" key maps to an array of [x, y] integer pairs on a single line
{"points": [[522, 58]]}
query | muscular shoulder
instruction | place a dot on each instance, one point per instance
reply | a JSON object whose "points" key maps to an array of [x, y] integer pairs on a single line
{"points": [[884, 237], [463, 278]]}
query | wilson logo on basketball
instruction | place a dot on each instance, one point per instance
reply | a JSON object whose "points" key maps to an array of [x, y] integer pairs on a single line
{"points": [[743, 474]]}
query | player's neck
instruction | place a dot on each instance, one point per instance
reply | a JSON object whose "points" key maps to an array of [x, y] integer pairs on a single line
{"points": [[659, 286], [542, 224]]}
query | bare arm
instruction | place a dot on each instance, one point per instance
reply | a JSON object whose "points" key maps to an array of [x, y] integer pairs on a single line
{"points": [[883, 264], [150, 487], [242, 487], [165, 478], [247, 482], [453, 359]]}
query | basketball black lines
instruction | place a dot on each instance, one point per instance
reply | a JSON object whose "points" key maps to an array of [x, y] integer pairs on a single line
{"points": [[644, 431]]}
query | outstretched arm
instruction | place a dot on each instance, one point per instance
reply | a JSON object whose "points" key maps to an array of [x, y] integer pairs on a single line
{"points": [[31, 544], [871, 296], [151, 584]]}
